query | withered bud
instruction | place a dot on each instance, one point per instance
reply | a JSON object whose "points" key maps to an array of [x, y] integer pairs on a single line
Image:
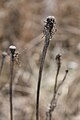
{"points": [[58, 57], [12, 49], [4, 54], [67, 71], [51, 19], [49, 24]]}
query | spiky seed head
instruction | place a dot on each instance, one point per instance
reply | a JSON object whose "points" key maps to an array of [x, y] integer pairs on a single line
{"points": [[12, 49]]}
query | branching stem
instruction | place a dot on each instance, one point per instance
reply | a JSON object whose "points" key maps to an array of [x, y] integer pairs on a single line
{"points": [[53, 102]]}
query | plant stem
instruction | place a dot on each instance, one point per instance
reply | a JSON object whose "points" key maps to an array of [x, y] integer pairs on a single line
{"points": [[11, 82], [12, 50], [4, 54], [50, 24], [47, 41]]}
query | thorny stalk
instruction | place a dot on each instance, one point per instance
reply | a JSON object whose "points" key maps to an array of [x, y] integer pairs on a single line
{"points": [[4, 54], [48, 31], [12, 50], [53, 102]]}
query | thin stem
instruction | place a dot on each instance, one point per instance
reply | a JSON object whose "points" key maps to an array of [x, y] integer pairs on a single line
{"points": [[53, 102], [11, 82], [49, 25], [60, 84], [47, 41], [56, 79], [4, 54], [58, 69], [2, 63]]}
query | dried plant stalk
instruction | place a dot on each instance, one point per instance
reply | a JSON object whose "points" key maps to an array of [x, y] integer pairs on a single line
{"points": [[48, 32], [53, 102], [4, 54], [12, 50]]}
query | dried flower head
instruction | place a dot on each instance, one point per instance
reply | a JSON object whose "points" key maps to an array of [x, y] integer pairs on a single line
{"points": [[12, 49], [49, 25], [51, 19], [4, 54]]}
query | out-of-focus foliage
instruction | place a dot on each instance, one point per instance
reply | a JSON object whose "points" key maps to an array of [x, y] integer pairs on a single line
{"points": [[21, 24]]}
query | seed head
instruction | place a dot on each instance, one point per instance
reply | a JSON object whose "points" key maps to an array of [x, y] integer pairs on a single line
{"points": [[51, 19], [49, 25], [4, 54], [66, 71], [12, 49]]}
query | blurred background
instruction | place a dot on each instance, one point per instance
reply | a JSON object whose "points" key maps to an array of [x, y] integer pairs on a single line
{"points": [[21, 24]]}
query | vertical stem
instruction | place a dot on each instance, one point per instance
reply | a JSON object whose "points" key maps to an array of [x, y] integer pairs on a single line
{"points": [[55, 86], [47, 41], [4, 54], [48, 27], [11, 81], [56, 79], [2, 63]]}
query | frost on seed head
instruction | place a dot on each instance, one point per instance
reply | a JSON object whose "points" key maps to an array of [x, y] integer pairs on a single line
{"points": [[12, 47], [51, 17]]}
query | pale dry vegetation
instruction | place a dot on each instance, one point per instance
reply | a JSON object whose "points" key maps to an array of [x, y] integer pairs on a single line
{"points": [[21, 24]]}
